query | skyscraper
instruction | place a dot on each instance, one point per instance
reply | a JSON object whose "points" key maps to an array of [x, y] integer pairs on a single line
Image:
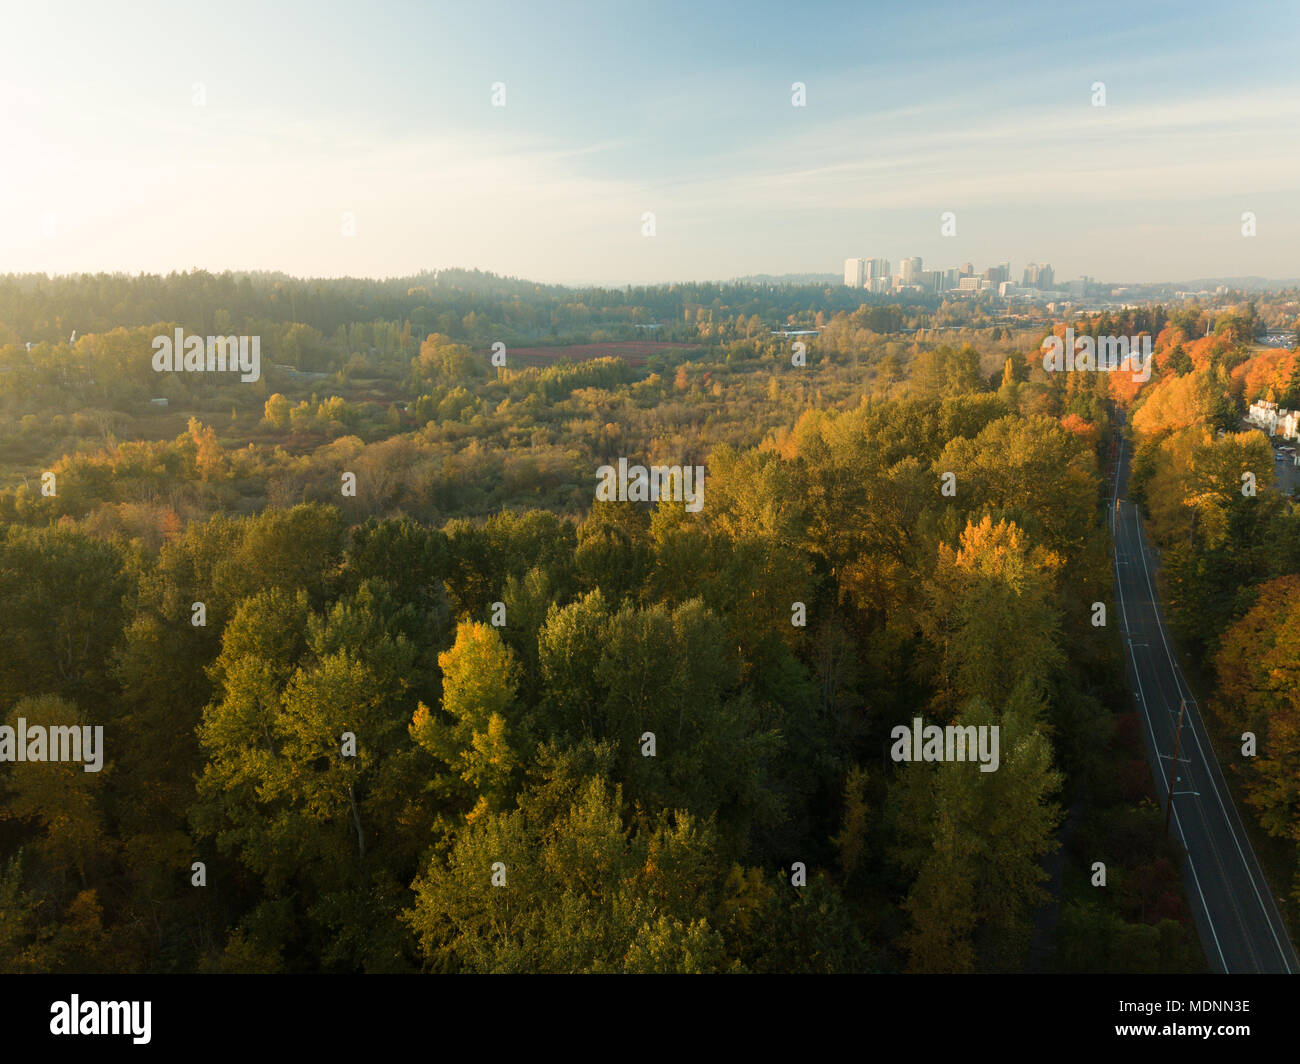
{"points": [[1039, 276], [855, 272]]}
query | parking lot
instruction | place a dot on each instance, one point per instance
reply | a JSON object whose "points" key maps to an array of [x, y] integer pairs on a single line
{"points": [[1288, 474]]}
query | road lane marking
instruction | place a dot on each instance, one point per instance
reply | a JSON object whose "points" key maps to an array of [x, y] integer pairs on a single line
{"points": [[1214, 786], [1208, 833], [1146, 717]]}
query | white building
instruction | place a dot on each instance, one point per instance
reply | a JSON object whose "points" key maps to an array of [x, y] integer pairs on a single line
{"points": [[1267, 417], [855, 272], [1263, 415], [1260, 412]]}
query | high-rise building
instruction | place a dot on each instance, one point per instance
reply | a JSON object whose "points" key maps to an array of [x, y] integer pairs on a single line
{"points": [[967, 269], [1039, 277], [911, 271], [855, 272]]}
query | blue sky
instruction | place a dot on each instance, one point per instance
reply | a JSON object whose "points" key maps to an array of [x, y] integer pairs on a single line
{"points": [[383, 110]]}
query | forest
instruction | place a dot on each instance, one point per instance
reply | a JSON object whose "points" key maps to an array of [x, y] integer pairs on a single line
{"points": [[1231, 565], [467, 718]]}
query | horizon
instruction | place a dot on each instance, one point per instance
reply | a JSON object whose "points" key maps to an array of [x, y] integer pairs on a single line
{"points": [[1265, 284]]}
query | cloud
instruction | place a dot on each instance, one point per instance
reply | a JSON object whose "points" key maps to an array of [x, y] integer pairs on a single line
{"points": [[169, 186]]}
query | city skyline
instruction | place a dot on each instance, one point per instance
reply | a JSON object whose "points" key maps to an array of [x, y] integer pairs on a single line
{"points": [[876, 276]]}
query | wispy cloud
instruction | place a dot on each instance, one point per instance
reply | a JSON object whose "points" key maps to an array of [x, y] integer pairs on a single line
{"points": [[991, 118]]}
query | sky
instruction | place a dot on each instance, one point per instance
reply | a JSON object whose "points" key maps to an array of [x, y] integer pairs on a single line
{"points": [[242, 136]]}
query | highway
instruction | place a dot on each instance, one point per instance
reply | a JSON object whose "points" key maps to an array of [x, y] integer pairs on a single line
{"points": [[1234, 910]]}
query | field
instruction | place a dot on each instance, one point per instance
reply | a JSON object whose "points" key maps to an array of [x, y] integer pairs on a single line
{"points": [[633, 352]]}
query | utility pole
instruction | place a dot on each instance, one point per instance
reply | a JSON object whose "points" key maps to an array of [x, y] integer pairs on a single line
{"points": [[1173, 764]]}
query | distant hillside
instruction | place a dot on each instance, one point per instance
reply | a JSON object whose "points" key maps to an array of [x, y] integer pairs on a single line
{"points": [[1247, 283], [788, 278]]}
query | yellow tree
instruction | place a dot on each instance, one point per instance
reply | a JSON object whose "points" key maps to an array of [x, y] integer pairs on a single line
{"points": [[1259, 691], [989, 614], [477, 742], [276, 411], [60, 796]]}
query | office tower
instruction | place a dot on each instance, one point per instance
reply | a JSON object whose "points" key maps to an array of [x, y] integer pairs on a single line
{"points": [[911, 270], [854, 272], [995, 275]]}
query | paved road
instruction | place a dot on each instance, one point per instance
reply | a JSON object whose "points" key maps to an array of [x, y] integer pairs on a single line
{"points": [[1238, 920]]}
